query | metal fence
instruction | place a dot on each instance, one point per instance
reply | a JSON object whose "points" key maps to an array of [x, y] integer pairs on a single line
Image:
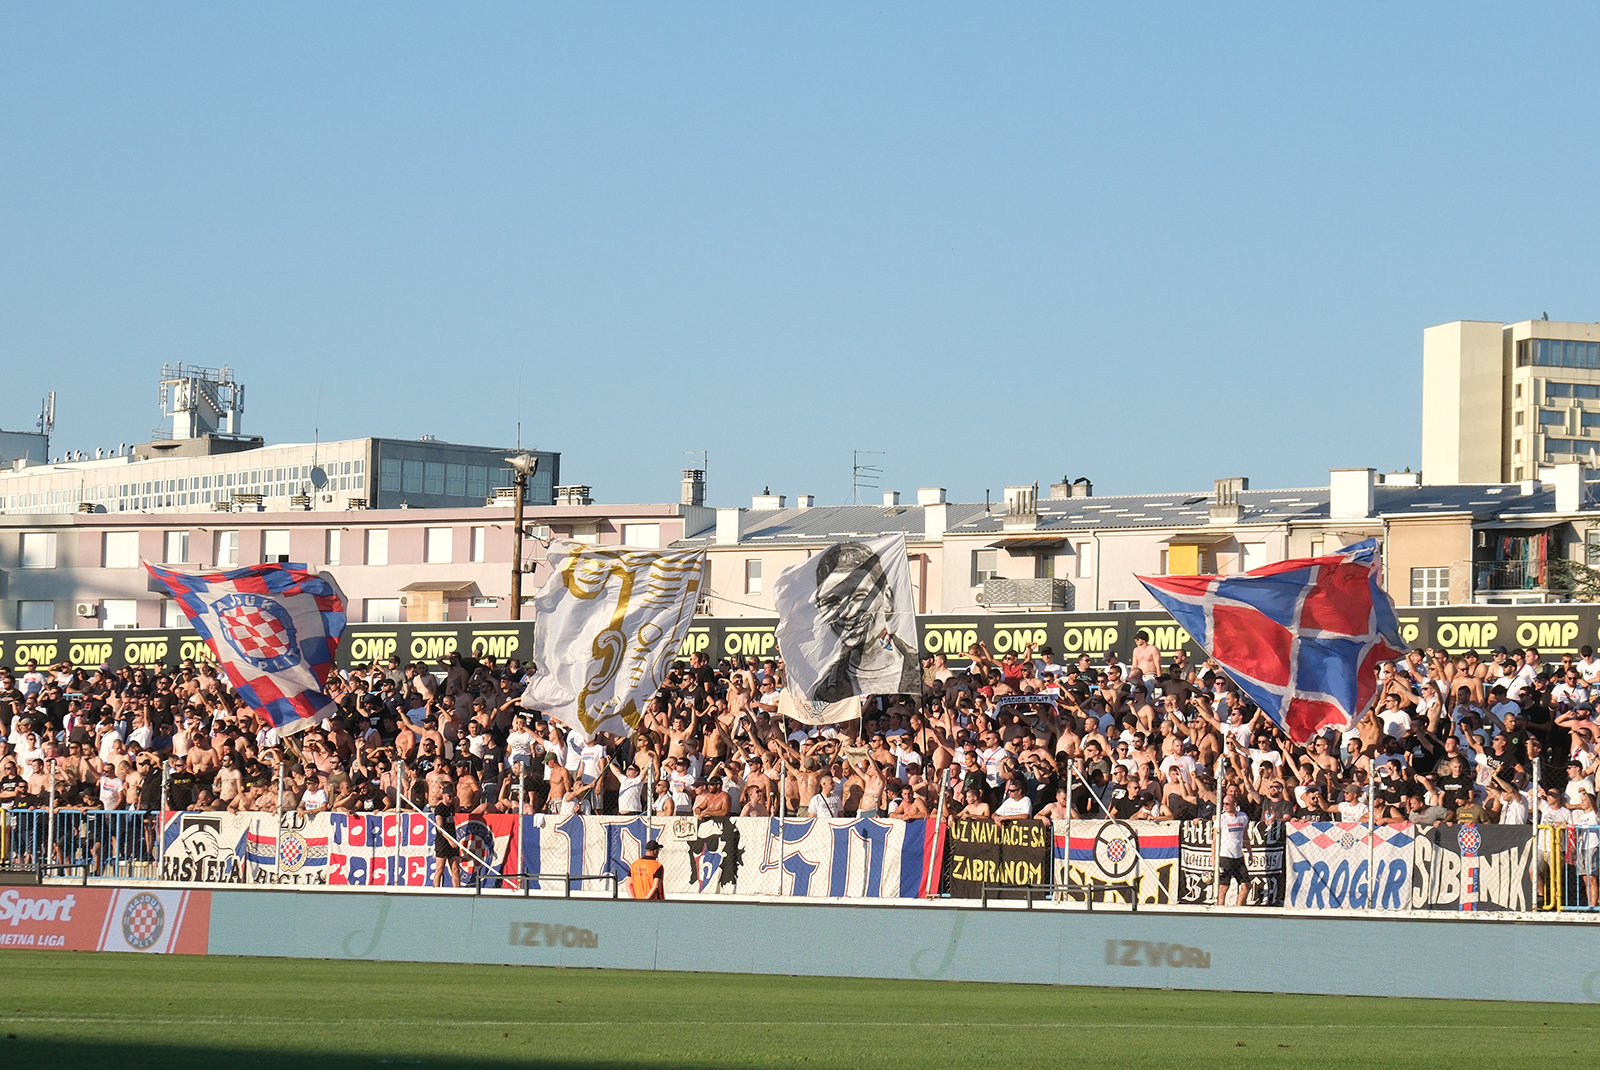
{"points": [[124, 844]]}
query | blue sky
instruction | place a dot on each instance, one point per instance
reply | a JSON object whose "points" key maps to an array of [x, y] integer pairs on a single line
{"points": [[1152, 245]]}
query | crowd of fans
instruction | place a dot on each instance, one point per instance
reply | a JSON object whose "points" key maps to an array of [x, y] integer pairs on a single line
{"points": [[1465, 738]]}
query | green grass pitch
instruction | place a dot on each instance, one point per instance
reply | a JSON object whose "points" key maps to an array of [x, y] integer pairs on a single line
{"points": [[64, 1010]]}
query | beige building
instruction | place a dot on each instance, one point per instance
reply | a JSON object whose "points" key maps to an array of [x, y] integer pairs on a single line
{"points": [[1501, 401]]}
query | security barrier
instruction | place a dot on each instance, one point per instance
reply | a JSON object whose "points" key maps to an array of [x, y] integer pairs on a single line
{"points": [[120, 844]]}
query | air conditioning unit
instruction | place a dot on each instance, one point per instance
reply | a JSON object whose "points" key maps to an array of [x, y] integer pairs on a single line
{"points": [[87, 609], [405, 600]]}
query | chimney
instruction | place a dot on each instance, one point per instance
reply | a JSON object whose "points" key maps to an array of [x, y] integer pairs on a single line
{"points": [[1225, 506], [1568, 479], [573, 495], [1350, 493], [891, 498], [694, 487], [728, 523], [1022, 508], [930, 495], [935, 519], [767, 500], [804, 501]]}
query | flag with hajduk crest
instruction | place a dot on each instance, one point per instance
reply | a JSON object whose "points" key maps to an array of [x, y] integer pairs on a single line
{"points": [[610, 620]]}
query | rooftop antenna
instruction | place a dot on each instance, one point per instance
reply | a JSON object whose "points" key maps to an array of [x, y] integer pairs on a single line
{"points": [[863, 475], [47, 420]]}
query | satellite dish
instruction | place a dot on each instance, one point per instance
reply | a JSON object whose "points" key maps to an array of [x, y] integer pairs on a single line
{"points": [[319, 478]]}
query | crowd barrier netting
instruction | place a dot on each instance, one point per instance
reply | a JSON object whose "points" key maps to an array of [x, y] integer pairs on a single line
{"points": [[1300, 865]]}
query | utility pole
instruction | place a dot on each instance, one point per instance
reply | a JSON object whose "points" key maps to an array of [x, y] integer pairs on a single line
{"points": [[523, 465]]}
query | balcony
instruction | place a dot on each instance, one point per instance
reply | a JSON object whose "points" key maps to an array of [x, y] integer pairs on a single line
{"points": [[1027, 594], [1508, 575]]}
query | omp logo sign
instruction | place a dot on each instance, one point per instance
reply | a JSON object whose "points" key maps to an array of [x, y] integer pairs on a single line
{"points": [[534, 934], [15, 909], [1149, 953]]}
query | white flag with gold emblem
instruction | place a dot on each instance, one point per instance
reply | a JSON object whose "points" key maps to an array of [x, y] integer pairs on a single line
{"points": [[610, 620]]}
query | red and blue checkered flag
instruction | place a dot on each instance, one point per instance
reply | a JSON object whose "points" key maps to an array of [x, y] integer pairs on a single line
{"points": [[273, 629], [1301, 638]]}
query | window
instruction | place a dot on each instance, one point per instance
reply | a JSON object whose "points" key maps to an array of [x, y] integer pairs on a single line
{"points": [[985, 566], [1252, 555], [1516, 418], [1590, 419], [455, 480], [585, 533], [412, 476], [38, 549], [647, 535], [120, 612], [1547, 417], [1516, 447], [1558, 353], [1591, 548], [122, 549], [227, 548], [1557, 390], [172, 614], [1180, 560], [433, 478], [1124, 605], [332, 553], [34, 615], [274, 546], [378, 546], [382, 611], [391, 474], [1084, 564], [1516, 474], [478, 536], [752, 576], [1316, 547], [177, 547], [477, 482], [1430, 586], [437, 548]]}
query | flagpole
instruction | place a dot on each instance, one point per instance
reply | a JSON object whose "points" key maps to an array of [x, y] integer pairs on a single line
{"points": [[1372, 882], [50, 826], [1533, 794], [1216, 833], [1067, 874]]}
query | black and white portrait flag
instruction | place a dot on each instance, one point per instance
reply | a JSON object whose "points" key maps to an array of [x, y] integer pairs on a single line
{"points": [[847, 622]]}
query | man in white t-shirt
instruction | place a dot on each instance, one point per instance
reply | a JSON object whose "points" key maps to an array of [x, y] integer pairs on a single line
{"points": [[822, 804], [1352, 808], [1016, 806], [1588, 665], [1577, 783], [1228, 850]]}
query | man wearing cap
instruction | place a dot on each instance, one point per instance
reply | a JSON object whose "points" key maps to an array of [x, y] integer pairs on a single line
{"points": [[644, 876]]}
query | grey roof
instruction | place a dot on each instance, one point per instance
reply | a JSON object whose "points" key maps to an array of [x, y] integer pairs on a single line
{"points": [[1181, 509]]}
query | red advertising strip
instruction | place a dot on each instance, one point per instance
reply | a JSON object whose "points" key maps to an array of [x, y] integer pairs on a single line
{"points": [[151, 920]]}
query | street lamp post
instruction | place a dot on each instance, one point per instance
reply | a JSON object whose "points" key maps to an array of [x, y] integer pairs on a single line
{"points": [[523, 465]]}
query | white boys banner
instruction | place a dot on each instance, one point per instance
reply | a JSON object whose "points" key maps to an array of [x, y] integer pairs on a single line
{"points": [[847, 622], [611, 620], [842, 858], [1328, 866]]}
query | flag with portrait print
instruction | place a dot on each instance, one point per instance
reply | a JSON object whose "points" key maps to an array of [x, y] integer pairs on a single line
{"points": [[273, 628]]}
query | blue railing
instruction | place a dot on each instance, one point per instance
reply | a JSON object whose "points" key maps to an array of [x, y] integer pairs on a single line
{"points": [[123, 844]]}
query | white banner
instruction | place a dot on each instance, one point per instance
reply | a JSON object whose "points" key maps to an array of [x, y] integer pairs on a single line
{"points": [[610, 620], [805, 711], [847, 622], [849, 858]]}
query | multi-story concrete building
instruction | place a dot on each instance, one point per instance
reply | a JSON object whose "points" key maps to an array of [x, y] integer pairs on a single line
{"points": [[1500, 401], [1455, 545], [83, 570]]}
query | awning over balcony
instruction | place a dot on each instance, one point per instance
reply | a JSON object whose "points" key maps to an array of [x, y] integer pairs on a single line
{"points": [[1196, 538], [1037, 542], [448, 588], [1517, 525]]}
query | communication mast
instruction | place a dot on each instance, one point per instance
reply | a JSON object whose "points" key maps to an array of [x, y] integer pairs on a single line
{"points": [[200, 401]]}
